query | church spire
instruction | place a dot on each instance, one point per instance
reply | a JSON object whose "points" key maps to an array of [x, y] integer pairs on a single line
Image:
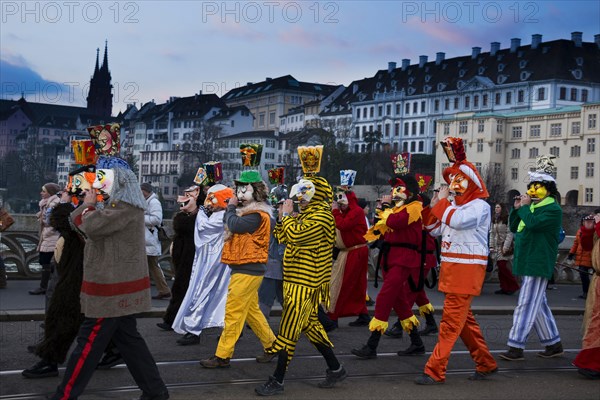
{"points": [[97, 56], [105, 61]]}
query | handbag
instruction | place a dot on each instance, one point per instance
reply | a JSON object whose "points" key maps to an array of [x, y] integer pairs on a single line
{"points": [[6, 220], [162, 233]]}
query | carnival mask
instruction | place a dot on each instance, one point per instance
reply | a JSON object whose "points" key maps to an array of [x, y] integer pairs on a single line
{"points": [[104, 181], [399, 195], [217, 197], [341, 199], [244, 193], [537, 191], [304, 191], [187, 202]]}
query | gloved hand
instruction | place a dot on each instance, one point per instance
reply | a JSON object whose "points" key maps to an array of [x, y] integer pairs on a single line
{"points": [[571, 256]]}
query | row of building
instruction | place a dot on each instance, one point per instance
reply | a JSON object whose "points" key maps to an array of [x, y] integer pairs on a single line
{"points": [[509, 104]]}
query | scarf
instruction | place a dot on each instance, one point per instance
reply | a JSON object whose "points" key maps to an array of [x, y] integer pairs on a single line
{"points": [[532, 207]]}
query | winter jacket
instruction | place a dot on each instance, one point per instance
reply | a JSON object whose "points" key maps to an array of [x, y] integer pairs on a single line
{"points": [[152, 219], [536, 245], [584, 238], [500, 240], [464, 244], [47, 234], [115, 267]]}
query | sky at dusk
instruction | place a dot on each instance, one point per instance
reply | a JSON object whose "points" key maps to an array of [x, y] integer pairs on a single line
{"points": [[158, 49]]}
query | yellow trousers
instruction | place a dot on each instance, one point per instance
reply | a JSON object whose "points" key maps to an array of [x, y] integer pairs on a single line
{"points": [[242, 307]]}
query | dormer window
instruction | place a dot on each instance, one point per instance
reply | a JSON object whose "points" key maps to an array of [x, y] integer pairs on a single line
{"points": [[411, 80], [522, 64], [579, 61], [577, 73], [500, 67], [481, 70], [502, 79], [461, 73], [427, 78], [525, 75]]}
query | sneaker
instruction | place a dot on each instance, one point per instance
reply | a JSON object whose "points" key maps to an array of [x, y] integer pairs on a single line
{"points": [[513, 354], [365, 352], [215, 362], [395, 331], [482, 375], [427, 380], [164, 326], [333, 377], [412, 350], [554, 350], [109, 360], [269, 388], [362, 320], [37, 291], [429, 329], [42, 369], [188, 339], [265, 357]]}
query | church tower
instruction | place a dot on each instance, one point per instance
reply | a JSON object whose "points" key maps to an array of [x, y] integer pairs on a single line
{"points": [[99, 100]]}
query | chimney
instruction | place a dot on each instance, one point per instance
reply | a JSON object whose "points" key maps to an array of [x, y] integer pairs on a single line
{"points": [[597, 40], [248, 83], [494, 47], [354, 88], [475, 52], [422, 61], [514, 44], [391, 66], [576, 38], [439, 57], [536, 39], [405, 63], [268, 79]]}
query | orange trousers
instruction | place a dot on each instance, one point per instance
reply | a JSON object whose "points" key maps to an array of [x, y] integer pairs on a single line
{"points": [[457, 320]]}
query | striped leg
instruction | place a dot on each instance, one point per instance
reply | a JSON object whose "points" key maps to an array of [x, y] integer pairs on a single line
{"points": [[533, 291]]}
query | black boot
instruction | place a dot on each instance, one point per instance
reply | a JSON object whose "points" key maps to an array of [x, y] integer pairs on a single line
{"points": [[416, 345], [395, 331], [46, 272], [328, 323], [41, 369], [362, 320], [430, 327]]}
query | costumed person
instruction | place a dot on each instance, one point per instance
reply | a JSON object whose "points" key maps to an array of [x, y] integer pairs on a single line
{"points": [[364, 205], [182, 249], [349, 274], [309, 240], [47, 234], [501, 241], [588, 359], [461, 216], [401, 227], [271, 287], [204, 303], [115, 284], [419, 297], [581, 252], [535, 220], [248, 229], [63, 316]]}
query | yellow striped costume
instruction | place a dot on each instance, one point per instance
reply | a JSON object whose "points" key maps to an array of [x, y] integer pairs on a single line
{"points": [[307, 261]]}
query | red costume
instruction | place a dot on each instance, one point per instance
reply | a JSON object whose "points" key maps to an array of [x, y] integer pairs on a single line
{"points": [[349, 274]]}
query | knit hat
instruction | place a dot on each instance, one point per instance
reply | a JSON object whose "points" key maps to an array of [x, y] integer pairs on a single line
{"points": [[51, 188], [147, 187]]}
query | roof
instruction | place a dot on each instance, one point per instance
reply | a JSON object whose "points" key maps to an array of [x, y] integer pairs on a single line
{"points": [[286, 82], [269, 134]]}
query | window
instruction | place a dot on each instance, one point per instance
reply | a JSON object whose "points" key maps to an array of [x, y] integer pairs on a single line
{"points": [[573, 94], [517, 132], [589, 195], [405, 146], [589, 170], [387, 130], [174, 192], [541, 94], [413, 147], [463, 126], [555, 129], [520, 96], [479, 145], [407, 108], [456, 103], [446, 104], [575, 128], [379, 111], [388, 109], [575, 151], [423, 106], [574, 172], [166, 190], [270, 156], [358, 113], [508, 97], [414, 128], [261, 119], [270, 143], [591, 145], [415, 107], [476, 101], [515, 153], [534, 130], [398, 109], [498, 146], [422, 128], [371, 112], [480, 126], [499, 127], [356, 133], [497, 99], [592, 121], [555, 151], [533, 152], [484, 100], [406, 129], [436, 105], [514, 174], [584, 95], [421, 146], [562, 93], [397, 129], [467, 102], [446, 128]]}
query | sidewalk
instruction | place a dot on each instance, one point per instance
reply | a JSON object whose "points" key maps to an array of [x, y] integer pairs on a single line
{"points": [[16, 304]]}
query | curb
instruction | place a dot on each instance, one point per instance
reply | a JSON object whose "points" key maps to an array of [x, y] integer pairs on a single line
{"points": [[38, 315]]}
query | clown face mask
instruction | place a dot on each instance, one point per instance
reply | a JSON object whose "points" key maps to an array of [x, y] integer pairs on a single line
{"points": [[458, 184], [244, 193], [104, 181], [537, 191], [341, 200], [81, 182], [304, 191]]}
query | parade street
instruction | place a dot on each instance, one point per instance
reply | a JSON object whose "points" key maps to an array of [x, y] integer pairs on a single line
{"points": [[387, 377]]}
